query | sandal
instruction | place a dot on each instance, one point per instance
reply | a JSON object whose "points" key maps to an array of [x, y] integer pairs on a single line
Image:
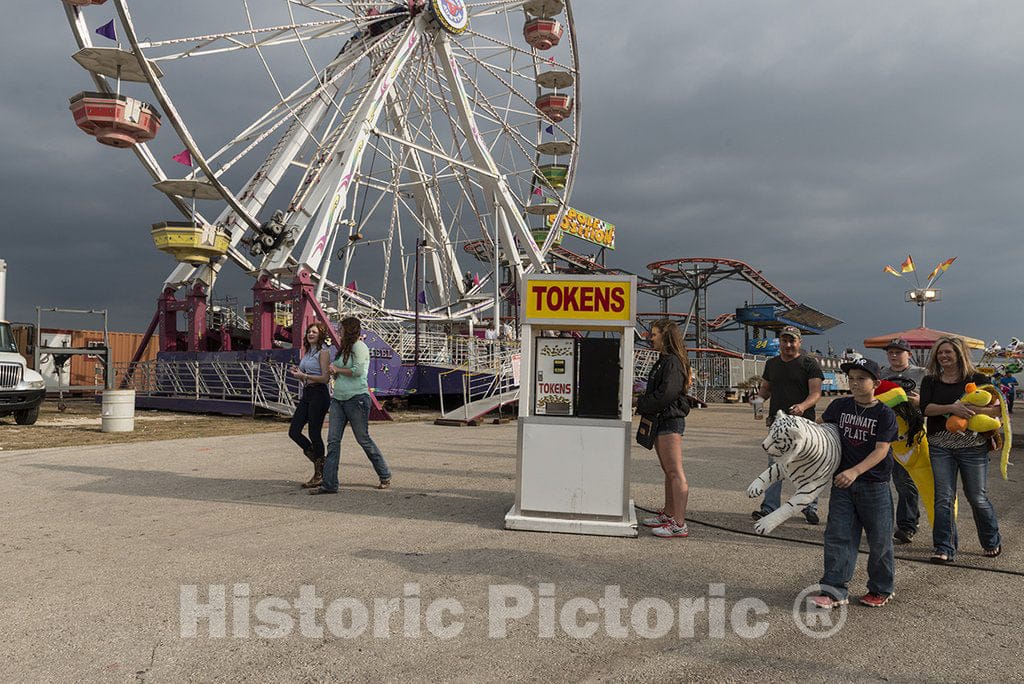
{"points": [[940, 558], [992, 553]]}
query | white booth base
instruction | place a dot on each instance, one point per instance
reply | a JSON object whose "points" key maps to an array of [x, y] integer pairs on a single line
{"points": [[573, 476], [514, 520]]}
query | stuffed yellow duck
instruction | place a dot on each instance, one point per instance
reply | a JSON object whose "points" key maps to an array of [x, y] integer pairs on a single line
{"points": [[985, 395], [975, 396]]}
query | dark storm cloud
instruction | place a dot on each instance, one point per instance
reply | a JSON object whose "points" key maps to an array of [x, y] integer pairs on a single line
{"points": [[817, 142]]}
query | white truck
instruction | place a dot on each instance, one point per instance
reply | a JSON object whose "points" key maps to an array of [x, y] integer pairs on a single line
{"points": [[22, 389]]}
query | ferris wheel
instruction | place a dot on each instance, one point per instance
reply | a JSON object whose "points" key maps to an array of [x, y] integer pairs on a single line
{"points": [[403, 155]]}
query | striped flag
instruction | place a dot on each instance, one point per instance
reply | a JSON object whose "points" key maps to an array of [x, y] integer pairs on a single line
{"points": [[892, 271], [907, 266], [942, 267]]}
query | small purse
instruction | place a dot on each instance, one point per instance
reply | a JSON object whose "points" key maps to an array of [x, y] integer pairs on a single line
{"points": [[993, 441], [647, 431]]}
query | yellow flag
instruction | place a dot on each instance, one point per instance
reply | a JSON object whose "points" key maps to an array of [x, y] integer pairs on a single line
{"points": [[907, 265], [892, 271]]}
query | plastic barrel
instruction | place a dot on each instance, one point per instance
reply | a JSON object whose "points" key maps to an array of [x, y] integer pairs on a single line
{"points": [[118, 411]]}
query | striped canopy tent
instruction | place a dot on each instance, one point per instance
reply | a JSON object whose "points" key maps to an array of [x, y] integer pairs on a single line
{"points": [[920, 338]]}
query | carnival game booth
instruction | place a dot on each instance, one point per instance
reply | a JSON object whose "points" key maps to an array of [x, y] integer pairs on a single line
{"points": [[575, 404]]}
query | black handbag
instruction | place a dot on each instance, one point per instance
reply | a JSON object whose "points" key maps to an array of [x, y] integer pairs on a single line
{"points": [[647, 431]]}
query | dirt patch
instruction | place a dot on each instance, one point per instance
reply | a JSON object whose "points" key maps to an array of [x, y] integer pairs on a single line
{"points": [[79, 425]]}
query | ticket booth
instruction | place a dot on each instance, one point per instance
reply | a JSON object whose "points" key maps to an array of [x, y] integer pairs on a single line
{"points": [[575, 424]]}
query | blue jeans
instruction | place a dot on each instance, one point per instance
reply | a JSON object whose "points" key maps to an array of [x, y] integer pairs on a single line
{"points": [[908, 510], [863, 506], [773, 497], [972, 464], [354, 412]]}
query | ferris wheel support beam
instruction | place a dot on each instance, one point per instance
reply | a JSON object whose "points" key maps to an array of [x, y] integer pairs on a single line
{"points": [[512, 227], [330, 205], [443, 263], [262, 183]]}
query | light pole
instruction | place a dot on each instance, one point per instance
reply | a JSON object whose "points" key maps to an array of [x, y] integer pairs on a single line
{"points": [[922, 297]]}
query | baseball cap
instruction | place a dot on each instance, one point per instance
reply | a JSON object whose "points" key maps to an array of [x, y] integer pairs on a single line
{"points": [[866, 365], [898, 343], [790, 330]]}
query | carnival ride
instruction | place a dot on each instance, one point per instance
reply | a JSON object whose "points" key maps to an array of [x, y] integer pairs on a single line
{"points": [[406, 130], [695, 275], [1007, 360], [330, 144]]}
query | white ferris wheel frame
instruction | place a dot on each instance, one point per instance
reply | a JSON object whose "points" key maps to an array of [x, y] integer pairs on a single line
{"points": [[325, 192]]}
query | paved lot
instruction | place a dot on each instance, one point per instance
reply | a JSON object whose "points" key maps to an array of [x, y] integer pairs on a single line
{"points": [[98, 542]]}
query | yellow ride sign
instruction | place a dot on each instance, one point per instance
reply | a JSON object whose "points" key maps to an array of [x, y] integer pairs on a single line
{"points": [[586, 227]]}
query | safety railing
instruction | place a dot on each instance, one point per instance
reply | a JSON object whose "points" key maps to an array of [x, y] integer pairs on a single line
{"points": [[265, 384], [500, 376]]}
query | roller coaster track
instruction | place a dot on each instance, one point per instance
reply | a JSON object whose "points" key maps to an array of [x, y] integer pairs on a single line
{"points": [[675, 269]]}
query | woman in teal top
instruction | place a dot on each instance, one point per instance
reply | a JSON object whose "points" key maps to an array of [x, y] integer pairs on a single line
{"points": [[350, 405]]}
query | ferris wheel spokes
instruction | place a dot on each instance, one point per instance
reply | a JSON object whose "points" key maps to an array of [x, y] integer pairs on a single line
{"points": [[442, 258], [265, 179], [352, 137], [386, 149], [512, 225]]}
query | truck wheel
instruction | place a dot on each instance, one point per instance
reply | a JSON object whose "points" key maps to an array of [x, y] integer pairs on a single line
{"points": [[26, 417]]}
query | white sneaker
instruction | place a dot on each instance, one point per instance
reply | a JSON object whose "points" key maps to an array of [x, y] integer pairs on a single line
{"points": [[671, 530], [659, 520]]}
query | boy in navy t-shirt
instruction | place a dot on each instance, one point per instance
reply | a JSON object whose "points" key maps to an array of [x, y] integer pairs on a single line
{"points": [[860, 497]]}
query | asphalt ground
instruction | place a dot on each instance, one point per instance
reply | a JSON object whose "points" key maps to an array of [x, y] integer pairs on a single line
{"points": [[113, 556]]}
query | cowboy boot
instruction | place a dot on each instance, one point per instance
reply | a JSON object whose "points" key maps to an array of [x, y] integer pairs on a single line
{"points": [[318, 475]]}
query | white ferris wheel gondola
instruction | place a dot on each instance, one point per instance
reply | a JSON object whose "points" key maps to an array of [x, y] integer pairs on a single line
{"points": [[353, 140]]}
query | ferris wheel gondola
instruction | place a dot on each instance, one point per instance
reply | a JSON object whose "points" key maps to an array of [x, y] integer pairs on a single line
{"points": [[343, 139]]}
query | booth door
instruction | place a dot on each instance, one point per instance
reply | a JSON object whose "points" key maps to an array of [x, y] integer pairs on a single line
{"points": [[597, 377]]}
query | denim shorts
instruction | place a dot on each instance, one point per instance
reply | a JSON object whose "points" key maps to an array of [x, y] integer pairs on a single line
{"points": [[669, 425]]}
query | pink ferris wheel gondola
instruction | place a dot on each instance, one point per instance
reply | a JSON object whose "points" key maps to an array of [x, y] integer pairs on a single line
{"points": [[543, 33], [115, 120]]}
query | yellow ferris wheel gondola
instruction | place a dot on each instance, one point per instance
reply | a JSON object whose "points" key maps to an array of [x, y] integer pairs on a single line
{"points": [[190, 242]]}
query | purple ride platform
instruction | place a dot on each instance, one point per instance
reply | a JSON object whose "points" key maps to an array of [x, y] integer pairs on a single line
{"points": [[387, 377]]}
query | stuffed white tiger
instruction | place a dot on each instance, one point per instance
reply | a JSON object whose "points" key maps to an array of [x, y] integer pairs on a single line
{"points": [[807, 454]]}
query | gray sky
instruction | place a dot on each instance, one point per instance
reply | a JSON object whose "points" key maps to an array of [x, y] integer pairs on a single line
{"points": [[815, 141]]}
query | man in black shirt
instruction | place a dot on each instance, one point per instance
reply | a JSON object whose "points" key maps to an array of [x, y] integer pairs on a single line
{"points": [[792, 382]]}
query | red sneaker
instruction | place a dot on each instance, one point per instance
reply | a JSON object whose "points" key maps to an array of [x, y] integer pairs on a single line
{"points": [[873, 600], [826, 602]]}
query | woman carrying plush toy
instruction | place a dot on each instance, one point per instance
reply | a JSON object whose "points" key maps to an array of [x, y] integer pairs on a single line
{"points": [[665, 398], [949, 371]]}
